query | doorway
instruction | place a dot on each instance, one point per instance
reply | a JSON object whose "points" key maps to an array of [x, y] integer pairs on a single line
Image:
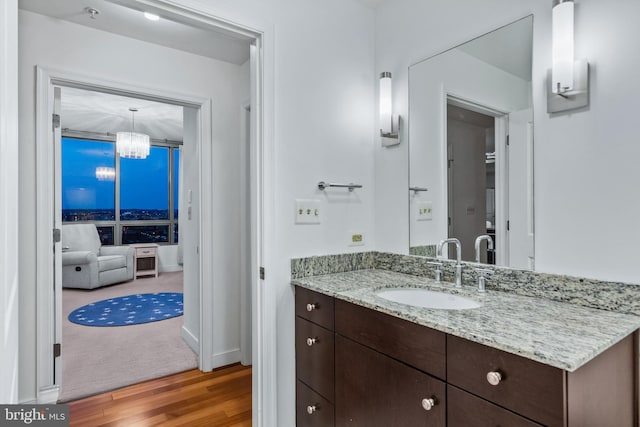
{"points": [[490, 181], [206, 168], [129, 199]]}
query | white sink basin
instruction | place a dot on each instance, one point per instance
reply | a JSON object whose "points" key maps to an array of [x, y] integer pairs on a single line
{"points": [[428, 299]]}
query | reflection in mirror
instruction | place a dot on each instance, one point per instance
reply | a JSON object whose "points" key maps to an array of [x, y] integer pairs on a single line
{"points": [[471, 145]]}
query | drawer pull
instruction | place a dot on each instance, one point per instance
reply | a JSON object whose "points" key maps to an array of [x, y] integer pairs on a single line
{"points": [[311, 307], [494, 377], [311, 409], [428, 404], [311, 341]]}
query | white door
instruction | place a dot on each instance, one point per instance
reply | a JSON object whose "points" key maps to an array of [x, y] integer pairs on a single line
{"points": [[520, 199], [57, 225]]}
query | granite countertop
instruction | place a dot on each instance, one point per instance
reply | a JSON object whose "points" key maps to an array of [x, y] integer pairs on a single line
{"points": [[558, 334]]}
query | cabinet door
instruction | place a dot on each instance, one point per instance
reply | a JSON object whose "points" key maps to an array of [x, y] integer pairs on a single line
{"points": [[375, 390], [312, 410], [465, 409], [314, 359]]}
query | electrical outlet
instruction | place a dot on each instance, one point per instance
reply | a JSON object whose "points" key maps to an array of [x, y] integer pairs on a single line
{"points": [[307, 211], [424, 211], [356, 238]]}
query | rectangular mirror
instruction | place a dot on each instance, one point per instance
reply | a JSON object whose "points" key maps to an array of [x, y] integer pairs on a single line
{"points": [[471, 148]]}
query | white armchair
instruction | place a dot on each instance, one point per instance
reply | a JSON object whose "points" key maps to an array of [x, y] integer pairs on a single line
{"points": [[86, 264]]}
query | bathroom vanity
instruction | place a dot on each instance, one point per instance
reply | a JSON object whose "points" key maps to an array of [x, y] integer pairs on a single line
{"points": [[515, 361]]}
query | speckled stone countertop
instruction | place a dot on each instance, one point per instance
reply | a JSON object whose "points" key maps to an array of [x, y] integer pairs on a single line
{"points": [[562, 335]]}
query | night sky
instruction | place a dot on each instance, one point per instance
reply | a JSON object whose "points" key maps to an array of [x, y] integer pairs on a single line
{"points": [[144, 183]]}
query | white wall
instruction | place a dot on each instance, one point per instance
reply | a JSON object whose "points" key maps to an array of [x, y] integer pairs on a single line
{"points": [[585, 161], [9, 242], [168, 258], [55, 44], [323, 119]]}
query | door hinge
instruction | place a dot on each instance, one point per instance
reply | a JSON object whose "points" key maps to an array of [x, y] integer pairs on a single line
{"points": [[56, 235], [56, 121], [508, 225], [57, 350], [507, 139], [261, 273]]}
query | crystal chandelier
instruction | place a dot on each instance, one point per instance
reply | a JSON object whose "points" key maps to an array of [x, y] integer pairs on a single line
{"points": [[105, 173], [132, 145]]}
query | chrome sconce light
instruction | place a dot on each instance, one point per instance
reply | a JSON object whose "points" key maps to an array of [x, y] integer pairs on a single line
{"points": [[568, 79], [389, 125]]}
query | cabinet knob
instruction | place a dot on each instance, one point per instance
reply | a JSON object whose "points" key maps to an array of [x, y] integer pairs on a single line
{"points": [[428, 404], [311, 341], [311, 409], [494, 377], [311, 307]]}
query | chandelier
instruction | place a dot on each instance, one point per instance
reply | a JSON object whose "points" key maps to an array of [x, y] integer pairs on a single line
{"points": [[132, 145], [105, 173]]}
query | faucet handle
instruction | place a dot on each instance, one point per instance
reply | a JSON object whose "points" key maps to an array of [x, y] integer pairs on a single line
{"points": [[437, 271], [482, 277]]}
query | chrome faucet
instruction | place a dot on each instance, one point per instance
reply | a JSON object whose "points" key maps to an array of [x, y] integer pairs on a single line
{"points": [[480, 239], [458, 257]]}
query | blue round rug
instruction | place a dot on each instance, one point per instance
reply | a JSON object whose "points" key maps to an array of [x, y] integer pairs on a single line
{"points": [[129, 310]]}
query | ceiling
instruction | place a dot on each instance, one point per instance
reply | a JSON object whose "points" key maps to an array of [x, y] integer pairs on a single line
{"points": [[101, 113], [96, 112], [118, 18]]}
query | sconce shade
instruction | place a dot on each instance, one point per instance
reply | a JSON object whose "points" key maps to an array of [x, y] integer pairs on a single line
{"points": [[385, 103], [562, 48], [132, 145]]}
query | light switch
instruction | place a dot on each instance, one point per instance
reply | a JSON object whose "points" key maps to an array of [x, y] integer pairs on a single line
{"points": [[307, 211], [424, 211]]}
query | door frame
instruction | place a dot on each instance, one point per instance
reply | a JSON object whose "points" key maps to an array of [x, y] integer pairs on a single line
{"points": [[48, 305], [501, 131]]}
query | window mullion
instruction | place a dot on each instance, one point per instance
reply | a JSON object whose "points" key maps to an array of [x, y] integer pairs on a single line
{"points": [[117, 232]]}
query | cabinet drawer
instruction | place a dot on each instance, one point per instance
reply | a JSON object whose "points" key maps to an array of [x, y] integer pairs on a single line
{"points": [[375, 390], [315, 357], [529, 388], [464, 410], [145, 252], [312, 410], [315, 307], [416, 345]]}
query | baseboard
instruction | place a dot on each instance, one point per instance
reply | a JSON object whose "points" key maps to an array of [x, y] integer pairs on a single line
{"points": [[169, 268], [48, 395], [225, 358], [190, 339]]}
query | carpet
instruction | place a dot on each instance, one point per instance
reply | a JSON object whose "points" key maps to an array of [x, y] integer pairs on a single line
{"points": [[96, 360], [129, 310]]}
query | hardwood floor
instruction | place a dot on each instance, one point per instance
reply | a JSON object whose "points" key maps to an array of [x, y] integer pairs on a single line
{"points": [[192, 398]]}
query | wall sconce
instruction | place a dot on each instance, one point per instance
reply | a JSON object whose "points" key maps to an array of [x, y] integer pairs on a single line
{"points": [[389, 126], [568, 79]]}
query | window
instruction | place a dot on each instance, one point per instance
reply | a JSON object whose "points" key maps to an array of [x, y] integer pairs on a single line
{"points": [[129, 200], [144, 186], [88, 187]]}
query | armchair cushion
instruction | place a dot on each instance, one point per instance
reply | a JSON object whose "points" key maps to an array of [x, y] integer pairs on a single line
{"points": [[111, 262], [78, 258]]}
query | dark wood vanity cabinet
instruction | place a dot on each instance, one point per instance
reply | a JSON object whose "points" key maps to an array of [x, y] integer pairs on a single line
{"points": [[367, 368], [315, 354]]}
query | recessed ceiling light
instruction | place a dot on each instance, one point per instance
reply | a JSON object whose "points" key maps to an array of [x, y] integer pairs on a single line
{"points": [[151, 16]]}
